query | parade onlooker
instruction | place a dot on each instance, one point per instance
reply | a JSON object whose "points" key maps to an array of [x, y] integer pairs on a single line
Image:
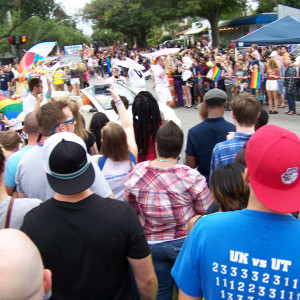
{"points": [[247, 237], [178, 81], [98, 121], [87, 241], [22, 272], [203, 137], [272, 74], [5, 82], [165, 195], [74, 78], [291, 84], [146, 121]]}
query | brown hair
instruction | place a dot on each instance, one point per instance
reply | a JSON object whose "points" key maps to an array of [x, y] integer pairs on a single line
{"points": [[10, 140], [33, 82], [114, 144], [79, 126], [125, 101], [228, 188], [50, 115], [246, 108], [273, 64]]}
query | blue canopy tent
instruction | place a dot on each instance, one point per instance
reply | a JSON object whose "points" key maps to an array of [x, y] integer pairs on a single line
{"points": [[285, 31]]}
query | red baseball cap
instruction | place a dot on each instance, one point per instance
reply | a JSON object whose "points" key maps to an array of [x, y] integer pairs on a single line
{"points": [[273, 162]]}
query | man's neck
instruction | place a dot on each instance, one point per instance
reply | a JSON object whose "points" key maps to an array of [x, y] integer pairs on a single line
{"points": [[32, 139], [35, 94], [244, 129], [73, 198], [255, 204], [215, 112]]}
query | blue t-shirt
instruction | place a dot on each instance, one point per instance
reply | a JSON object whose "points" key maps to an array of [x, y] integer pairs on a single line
{"points": [[11, 166], [3, 82], [203, 137], [247, 255]]}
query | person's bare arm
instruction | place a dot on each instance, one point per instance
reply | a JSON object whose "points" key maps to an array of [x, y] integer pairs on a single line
{"points": [[22, 195], [38, 102], [145, 277], [94, 149], [191, 161], [183, 296], [10, 189]]}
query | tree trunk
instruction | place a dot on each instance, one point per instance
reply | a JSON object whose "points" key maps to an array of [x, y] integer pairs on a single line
{"points": [[214, 29], [141, 40]]}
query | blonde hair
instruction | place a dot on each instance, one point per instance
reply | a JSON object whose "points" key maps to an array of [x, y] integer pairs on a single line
{"points": [[82, 66], [79, 126], [273, 64], [73, 65]]}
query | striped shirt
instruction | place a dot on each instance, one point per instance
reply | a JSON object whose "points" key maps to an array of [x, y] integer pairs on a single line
{"points": [[225, 152], [166, 198]]}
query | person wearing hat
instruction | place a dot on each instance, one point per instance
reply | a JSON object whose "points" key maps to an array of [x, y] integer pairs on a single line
{"points": [[88, 242], [257, 256], [203, 137], [116, 76]]}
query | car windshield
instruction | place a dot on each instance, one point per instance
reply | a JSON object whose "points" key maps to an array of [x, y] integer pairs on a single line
{"points": [[105, 100], [71, 57]]}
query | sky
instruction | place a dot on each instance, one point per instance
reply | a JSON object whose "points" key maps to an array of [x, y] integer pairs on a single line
{"points": [[71, 6]]}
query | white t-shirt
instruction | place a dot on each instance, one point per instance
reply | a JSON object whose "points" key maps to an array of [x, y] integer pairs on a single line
{"points": [[157, 70], [29, 104], [112, 79]]}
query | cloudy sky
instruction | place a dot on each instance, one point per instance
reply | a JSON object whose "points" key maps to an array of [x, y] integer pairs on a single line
{"points": [[71, 6]]}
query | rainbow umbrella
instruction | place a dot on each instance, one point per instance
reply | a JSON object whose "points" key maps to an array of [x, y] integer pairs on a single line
{"points": [[34, 54], [10, 108]]}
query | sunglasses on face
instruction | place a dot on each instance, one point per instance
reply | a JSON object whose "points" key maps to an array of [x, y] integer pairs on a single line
{"points": [[69, 121]]}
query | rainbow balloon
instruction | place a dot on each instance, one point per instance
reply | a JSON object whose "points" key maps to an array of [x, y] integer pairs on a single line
{"points": [[256, 80], [11, 108], [216, 74]]}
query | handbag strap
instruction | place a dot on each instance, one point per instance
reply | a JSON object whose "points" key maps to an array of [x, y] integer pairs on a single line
{"points": [[9, 210]]}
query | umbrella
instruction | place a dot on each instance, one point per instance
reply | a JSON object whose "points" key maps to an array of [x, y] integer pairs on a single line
{"points": [[130, 64], [35, 54], [165, 51]]}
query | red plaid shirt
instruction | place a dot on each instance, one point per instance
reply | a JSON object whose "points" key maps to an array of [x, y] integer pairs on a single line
{"points": [[166, 198]]}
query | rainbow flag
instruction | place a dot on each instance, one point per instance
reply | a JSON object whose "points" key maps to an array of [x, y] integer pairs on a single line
{"points": [[85, 46], [134, 46], [256, 80], [216, 74], [11, 108], [200, 80], [114, 48], [204, 43]]}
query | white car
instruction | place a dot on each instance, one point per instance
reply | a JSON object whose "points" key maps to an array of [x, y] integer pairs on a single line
{"points": [[102, 103]]}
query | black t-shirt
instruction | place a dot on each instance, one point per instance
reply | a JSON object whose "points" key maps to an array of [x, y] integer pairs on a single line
{"points": [[86, 245], [89, 141]]}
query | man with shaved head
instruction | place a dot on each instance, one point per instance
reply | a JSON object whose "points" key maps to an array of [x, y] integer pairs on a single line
{"points": [[22, 274]]}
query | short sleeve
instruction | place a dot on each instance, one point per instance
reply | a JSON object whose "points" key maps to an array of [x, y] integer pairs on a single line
{"points": [[137, 243]]}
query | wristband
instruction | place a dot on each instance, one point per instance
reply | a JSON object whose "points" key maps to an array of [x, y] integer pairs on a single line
{"points": [[118, 103]]}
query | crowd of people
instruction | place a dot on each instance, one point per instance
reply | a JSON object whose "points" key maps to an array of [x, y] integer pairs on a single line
{"points": [[109, 212]]}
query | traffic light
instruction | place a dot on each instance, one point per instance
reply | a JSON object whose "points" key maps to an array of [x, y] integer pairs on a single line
{"points": [[23, 39], [12, 40]]}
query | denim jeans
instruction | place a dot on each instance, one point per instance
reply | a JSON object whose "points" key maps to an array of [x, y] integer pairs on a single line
{"points": [[163, 257], [291, 101]]}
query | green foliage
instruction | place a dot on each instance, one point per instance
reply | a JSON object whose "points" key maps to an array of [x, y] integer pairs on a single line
{"points": [[268, 5], [106, 37], [41, 30], [165, 38], [134, 18]]}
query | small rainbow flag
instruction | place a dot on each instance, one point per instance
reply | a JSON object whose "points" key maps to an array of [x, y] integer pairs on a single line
{"points": [[134, 46], [204, 43], [216, 74], [200, 80], [256, 80], [85, 46]]}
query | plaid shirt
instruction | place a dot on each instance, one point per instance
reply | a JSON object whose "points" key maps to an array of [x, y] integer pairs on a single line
{"points": [[290, 83], [166, 198], [225, 152]]}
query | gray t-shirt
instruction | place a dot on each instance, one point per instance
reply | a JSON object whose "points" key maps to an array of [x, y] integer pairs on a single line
{"points": [[20, 208], [31, 178]]}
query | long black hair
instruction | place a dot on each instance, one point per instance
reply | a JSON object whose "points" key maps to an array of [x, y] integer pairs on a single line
{"points": [[146, 121]]}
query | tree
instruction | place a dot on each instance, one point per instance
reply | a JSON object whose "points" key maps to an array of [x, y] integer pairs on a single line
{"points": [[18, 11], [268, 5], [212, 10], [107, 37], [134, 18]]}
